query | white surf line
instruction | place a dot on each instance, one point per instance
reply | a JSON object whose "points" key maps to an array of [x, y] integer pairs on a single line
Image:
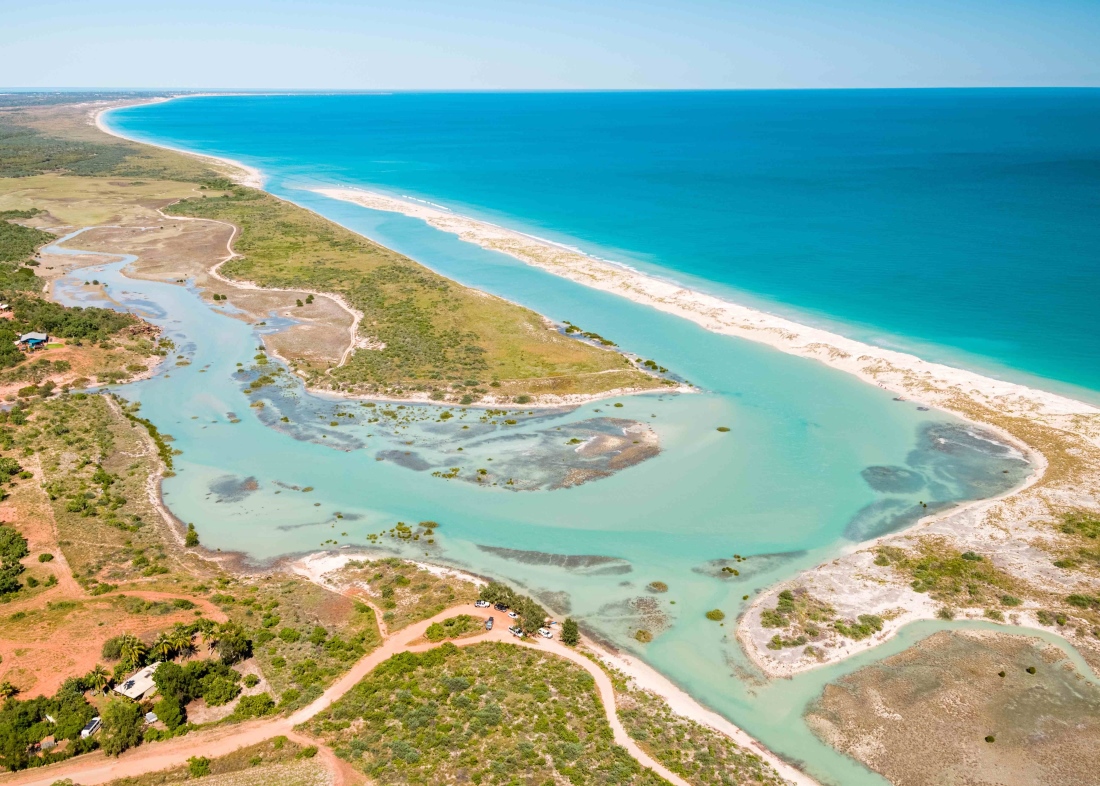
{"points": [[917, 379], [247, 176]]}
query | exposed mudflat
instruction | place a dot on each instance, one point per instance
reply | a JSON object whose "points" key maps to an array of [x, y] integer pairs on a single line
{"points": [[923, 717]]}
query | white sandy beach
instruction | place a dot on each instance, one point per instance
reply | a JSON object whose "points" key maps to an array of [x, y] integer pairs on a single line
{"points": [[245, 175], [924, 382]]}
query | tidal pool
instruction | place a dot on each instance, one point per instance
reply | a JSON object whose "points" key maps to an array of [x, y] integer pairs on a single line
{"points": [[814, 460]]}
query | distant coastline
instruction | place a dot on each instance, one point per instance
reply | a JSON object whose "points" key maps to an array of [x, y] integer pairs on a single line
{"points": [[243, 173], [923, 381]]}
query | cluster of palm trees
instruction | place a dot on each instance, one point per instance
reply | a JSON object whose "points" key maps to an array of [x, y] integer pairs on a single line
{"points": [[169, 644]]}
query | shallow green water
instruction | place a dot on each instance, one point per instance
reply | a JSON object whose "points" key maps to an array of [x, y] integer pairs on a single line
{"points": [[814, 461]]}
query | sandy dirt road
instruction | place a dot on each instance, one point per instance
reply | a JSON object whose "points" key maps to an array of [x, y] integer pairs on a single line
{"points": [[96, 768]]}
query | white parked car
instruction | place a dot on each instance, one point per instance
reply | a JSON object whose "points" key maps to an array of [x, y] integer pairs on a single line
{"points": [[545, 633], [516, 631], [513, 615], [91, 728], [481, 604]]}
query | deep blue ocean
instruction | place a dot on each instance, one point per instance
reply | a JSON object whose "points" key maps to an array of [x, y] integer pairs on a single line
{"points": [[963, 225]]}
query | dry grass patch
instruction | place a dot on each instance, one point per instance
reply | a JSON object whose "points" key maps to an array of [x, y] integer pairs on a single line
{"points": [[964, 708], [277, 761]]}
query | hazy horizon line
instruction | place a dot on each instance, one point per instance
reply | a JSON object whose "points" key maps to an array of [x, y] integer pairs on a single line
{"points": [[387, 91]]}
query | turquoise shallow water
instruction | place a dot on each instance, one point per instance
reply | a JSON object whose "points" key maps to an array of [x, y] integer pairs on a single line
{"points": [[959, 224], [814, 460]]}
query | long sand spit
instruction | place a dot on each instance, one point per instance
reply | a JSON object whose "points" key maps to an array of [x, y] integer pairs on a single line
{"points": [[930, 383]]}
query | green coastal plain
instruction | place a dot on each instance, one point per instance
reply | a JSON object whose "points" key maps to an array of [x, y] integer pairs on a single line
{"points": [[98, 582], [434, 336]]}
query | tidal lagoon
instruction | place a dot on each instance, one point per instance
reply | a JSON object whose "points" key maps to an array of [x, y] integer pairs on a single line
{"points": [[813, 460]]}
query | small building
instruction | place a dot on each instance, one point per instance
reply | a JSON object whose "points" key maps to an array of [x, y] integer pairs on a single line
{"points": [[138, 684], [91, 728], [33, 340]]}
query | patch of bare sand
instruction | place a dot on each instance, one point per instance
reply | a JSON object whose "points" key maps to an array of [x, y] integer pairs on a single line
{"points": [[62, 636], [52, 632], [176, 251]]}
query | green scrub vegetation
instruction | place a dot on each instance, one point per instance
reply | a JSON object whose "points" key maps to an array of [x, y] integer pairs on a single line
{"points": [[697, 753], [1081, 533], [17, 244], [453, 628], [969, 580], [91, 324], [436, 332], [58, 140], [13, 547], [800, 615], [302, 636], [23, 724], [404, 592], [487, 714], [954, 578]]}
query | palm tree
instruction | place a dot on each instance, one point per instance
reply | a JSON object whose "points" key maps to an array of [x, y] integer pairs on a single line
{"points": [[211, 638], [133, 650], [99, 678], [7, 690], [163, 648], [182, 640]]}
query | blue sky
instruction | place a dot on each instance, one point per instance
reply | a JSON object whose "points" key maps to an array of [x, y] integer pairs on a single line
{"points": [[551, 44]]}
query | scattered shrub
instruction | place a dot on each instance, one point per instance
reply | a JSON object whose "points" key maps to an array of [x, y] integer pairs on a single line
{"points": [[570, 632], [198, 766]]}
